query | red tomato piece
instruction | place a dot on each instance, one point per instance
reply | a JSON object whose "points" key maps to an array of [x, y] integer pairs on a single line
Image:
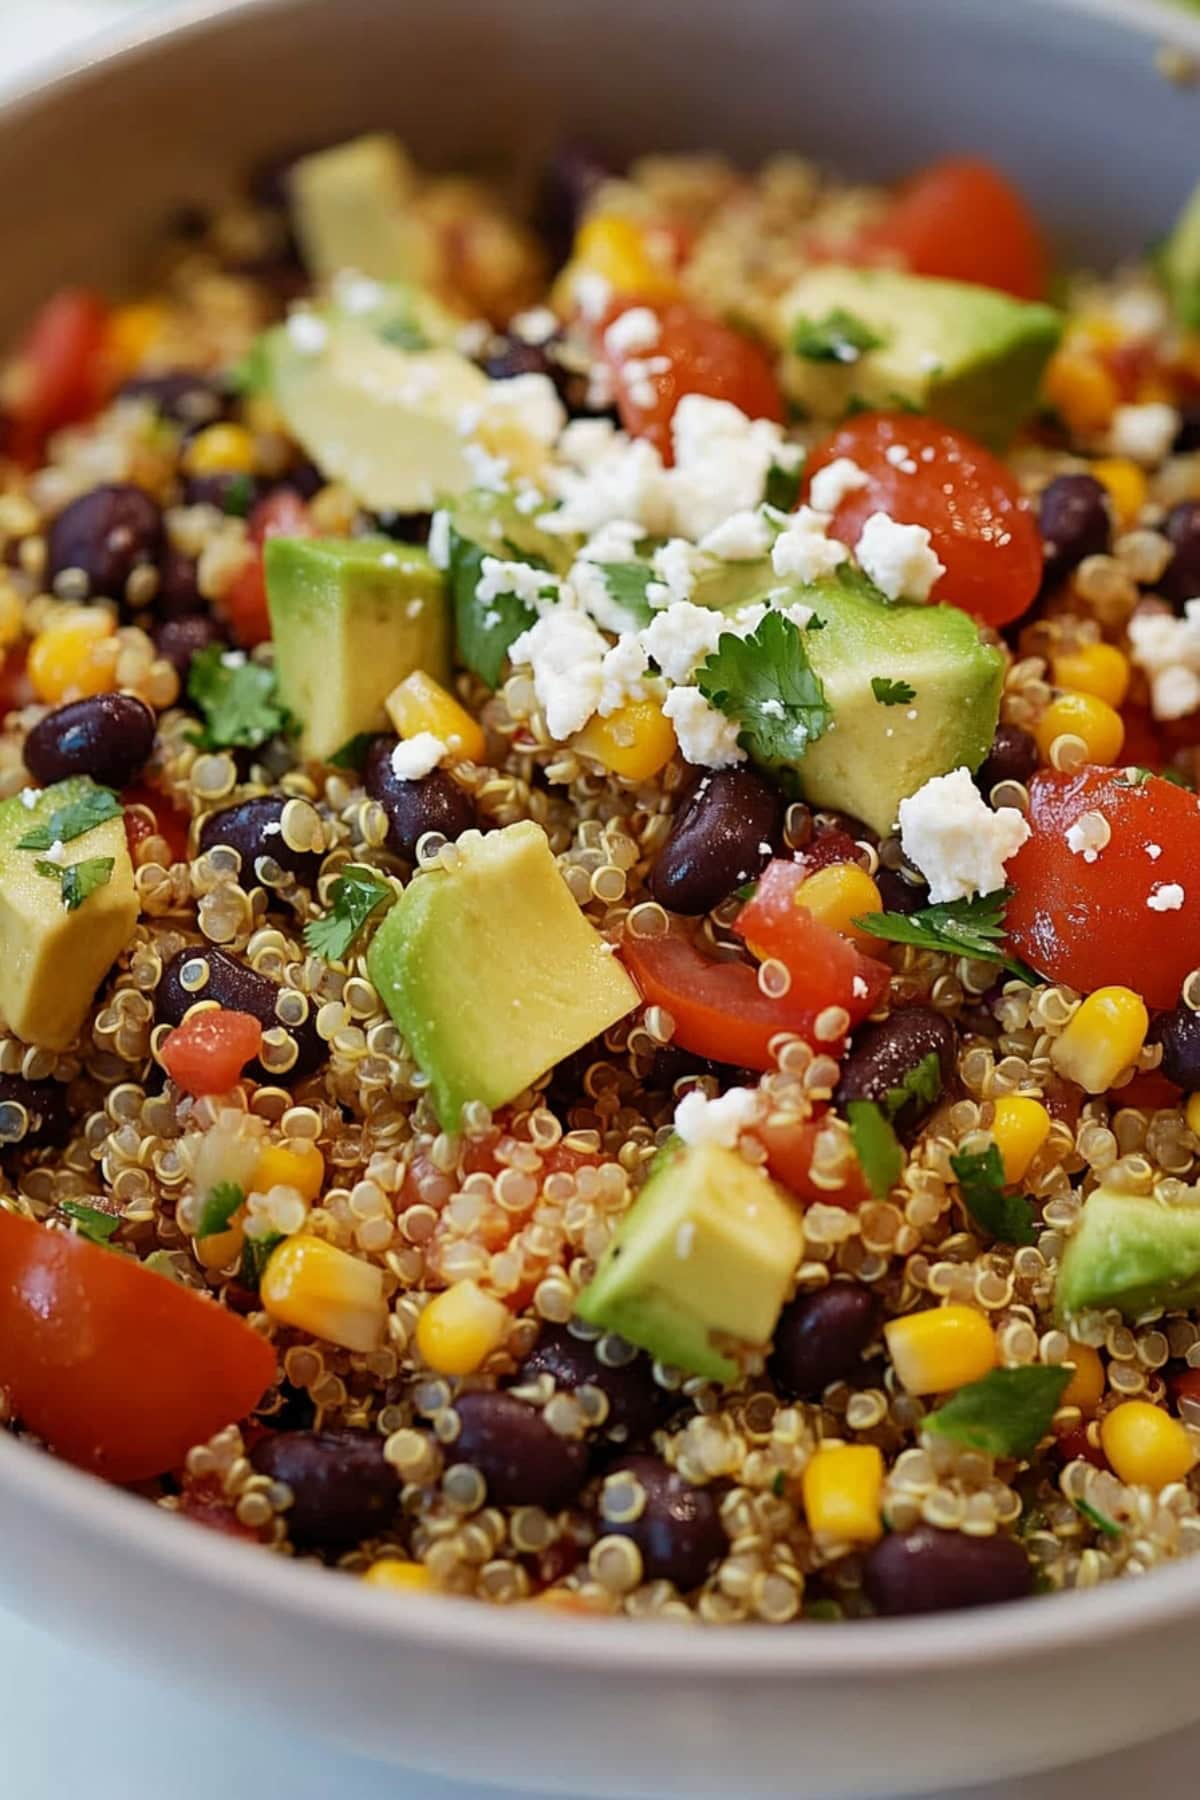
{"points": [[963, 220], [971, 506], [701, 356], [119, 1369], [789, 1159], [1150, 1089], [826, 968], [1076, 1442], [282, 514], [1089, 924], [167, 821], [207, 1053], [61, 364]]}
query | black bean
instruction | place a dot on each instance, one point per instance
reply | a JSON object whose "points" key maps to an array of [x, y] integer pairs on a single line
{"points": [[178, 593], [678, 1529], [508, 357], [722, 836], [1178, 1031], [253, 829], [898, 893], [1074, 521], [636, 1403], [1182, 579], [303, 478], [433, 802], [1187, 438], [404, 528], [572, 176], [181, 639], [236, 987], [45, 1102], [229, 490], [882, 1055], [109, 737], [343, 1488], [108, 533], [821, 1337], [183, 396], [523, 1461], [926, 1570], [1012, 757]]}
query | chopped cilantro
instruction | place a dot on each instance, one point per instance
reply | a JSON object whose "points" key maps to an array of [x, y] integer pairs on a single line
{"points": [[239, 493], [92, 808], [815, 624], [857, 581], [839, 337], [78, 881], [980, 1174], [1177, 778], [1096, 1518], [220, 1204], [353, 753], [766, 683], [1007, 1413], [923, 1083], [403, 334], [356, 894], [252, 374], [892, 693], [238, 699], [875, 1145], [256, 1253], [783, 487], [627, 583], [90, 1221], [483, 629], [973, 928], [779, 1485]]}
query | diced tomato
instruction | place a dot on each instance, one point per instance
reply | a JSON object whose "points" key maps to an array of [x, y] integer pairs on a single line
{"points": [[207, 1053], [834, 846], [1150, 1089], [244, 603], [167, 822], [971, 506], [789, 1158], [701, 356], [61, 368], [1184, 1384], [16, 689], [826, 968], [119, 1369], [1075, 1443], [1090, 924], [963, 220]]}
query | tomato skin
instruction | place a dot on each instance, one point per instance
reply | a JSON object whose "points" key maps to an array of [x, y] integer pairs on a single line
{"points": [[825, 966], [961, 219], [789, 1159], [207, 1053], [982, 533], [119, 1369], [1088, 924], [169, 822], [62, 363], [281, 514], [705, 357]]}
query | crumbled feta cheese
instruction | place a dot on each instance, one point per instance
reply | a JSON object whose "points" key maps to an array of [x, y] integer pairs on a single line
{"points": [[621, 674], [537, 325], [566, 654], [831, 485], [859, 988], [308, 333], [536, 587], [233, 659], [29, 797], [416, 756], [802, 552], [356, 293], [681, 636], [898, 558], [1168, 649], [637, 329], [616, 541], [1167, 897], [1143, 433], [1154, 851], [1089, 835], [901, 458], [701, 1120], [676, 564], [706, 737], [486, 471], [741, 537], [588, 585], [604, 475], [526, 403], [593, 294], [722, 460], [57, 851], [955, 839], [438, 544]]}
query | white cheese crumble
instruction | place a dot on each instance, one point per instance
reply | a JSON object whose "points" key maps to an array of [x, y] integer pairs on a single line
{"points": [[307, 332], [621, 675], [676, 565], [57, 851], [537, 325], [742, 537], [955, 839], [438, 544], [802, 552], [356, 293], [566, 654], [604, 475], [706, 737], [526, 403], [1167, 897], [1143, 433], [1168, 649], [701, 1120], [634, 330], [832, 484], [536, 587], [722, 460], [681, 636], [898, 558], [417, 756], [1088, 836], [901, 458], [29, 797]]}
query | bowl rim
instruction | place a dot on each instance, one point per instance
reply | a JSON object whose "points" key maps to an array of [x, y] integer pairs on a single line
{"points": [[307, 1594]]}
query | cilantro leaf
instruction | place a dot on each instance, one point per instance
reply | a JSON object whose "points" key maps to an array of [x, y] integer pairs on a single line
{"points": [[403, 333], [79, 881], [93, 807], [238, 699], [627, 584], [256, 1253], [875, 1145], [766, 683], [1007, 1413], [1101, 1521], [980, 1175], [252, 374], [220, 1204], [839, 337], [783, 487], [922, 1083], [238, 495], [973, 928], [356, 894], [892, 693], [483, 629], [90, 1221], [857, 581], [353, 753]]}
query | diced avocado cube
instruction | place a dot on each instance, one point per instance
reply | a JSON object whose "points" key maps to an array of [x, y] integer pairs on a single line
{"points": [[709, 1247], [52, 960], [1131, 1252], [351, 617], [352, 207], [484, 522], [969, 355], [1179, 264], [492, 972]]}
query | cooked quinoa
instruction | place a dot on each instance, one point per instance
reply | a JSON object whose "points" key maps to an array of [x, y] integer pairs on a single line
{"points": [[925, 1139]]}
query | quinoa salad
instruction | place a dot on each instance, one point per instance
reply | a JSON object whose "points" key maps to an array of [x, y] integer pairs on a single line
{"points": [[600, 887]]}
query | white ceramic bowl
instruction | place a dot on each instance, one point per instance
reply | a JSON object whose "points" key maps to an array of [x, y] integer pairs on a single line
{"points": [[90, 162]]}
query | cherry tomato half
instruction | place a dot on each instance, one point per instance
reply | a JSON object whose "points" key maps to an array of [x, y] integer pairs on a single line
{"points": [[119, 1369], [825, 967], [167, 821], [963, 220], [1090, 924], [281, 514], [967, 501], [790, 1157], [61, 368], [691, 355]]}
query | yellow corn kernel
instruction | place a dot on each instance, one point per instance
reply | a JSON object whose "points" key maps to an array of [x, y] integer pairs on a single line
{"points": [[944, 1348], [842, 1486], [1082, 716], [1086, 1386], [616, 249], [1099, 330], [323, 1290], [1145, 1445], [1080, 388], [635, 742], [400, 1576], [1192, 1113], [75, 658], [1019, 1129], [1101, 1038], [420, 703], [1126, 487], [1098, 669], [297, 1165], [133, 330], [220, 450], [460, 1328], [837, 894]]}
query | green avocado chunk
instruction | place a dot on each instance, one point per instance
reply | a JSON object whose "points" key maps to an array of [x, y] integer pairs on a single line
{"points": [[1179, 264], [53, 959], [492, 972], [486, 522], [351, 206], [1132, 1252], [709, 1246], [350, 618], [969, 355]]}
